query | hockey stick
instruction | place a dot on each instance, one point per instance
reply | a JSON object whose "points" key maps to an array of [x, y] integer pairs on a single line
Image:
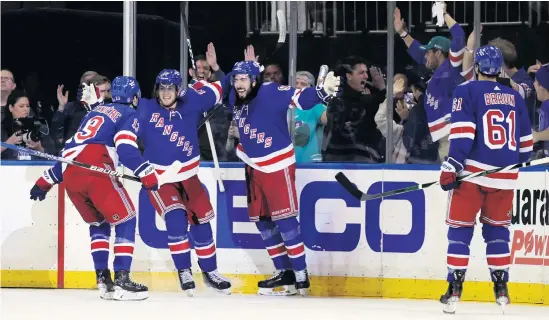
{"points": [[167, 175], [281, 18], [207, 122], [353, 190]]}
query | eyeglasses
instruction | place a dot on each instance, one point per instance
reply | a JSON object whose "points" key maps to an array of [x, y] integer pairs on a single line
{"points": [[6, 78]]}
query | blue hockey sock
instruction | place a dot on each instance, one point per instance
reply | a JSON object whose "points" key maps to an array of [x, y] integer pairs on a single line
{"points": [[498, 255], [459, 240], [274, 244], [178, 241], [204, 246], [100, 236], [289, 229], [123, 245]]}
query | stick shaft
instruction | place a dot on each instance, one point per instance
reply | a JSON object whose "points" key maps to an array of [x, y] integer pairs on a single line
{"points": [[37, 153]]}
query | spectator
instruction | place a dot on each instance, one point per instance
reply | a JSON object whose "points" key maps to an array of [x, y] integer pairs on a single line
{"points": [[205, 64], [8, 85], [519, 78], [445, 58], [416, 136], [400, 154], [66, 120], [541, 85], [19, 107], [103, 85], [352, 134], [219, 122], [273, 73], [309, 124]]}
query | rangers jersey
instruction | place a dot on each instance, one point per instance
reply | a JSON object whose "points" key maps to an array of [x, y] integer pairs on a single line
{"points": [[438, 96], [490, 128], [172, 134], [106, 135], [265, 142]]}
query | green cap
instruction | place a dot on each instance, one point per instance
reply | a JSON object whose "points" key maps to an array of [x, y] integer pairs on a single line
{"points": [[438, 43]]}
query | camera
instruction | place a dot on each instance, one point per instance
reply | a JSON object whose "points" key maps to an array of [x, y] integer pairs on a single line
{"points": [[29, 128]]}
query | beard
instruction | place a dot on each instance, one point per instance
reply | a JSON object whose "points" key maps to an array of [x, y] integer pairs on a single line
{"points": [[250, 95]]}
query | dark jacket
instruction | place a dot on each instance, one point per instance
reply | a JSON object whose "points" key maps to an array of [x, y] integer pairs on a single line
{"points": [[66, 123], [7, 131], [351, 133]]}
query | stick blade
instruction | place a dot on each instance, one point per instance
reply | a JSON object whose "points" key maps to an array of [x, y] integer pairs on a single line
{"points": [[281, 18], [349, 186]]}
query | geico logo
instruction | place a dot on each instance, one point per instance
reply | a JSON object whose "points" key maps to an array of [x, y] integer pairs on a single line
{"points": [[331, 228]]}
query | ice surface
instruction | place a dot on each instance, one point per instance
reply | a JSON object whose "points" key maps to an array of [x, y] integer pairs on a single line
{"points": [[56, 304]]}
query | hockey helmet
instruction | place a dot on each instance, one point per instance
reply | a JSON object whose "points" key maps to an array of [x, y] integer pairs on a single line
{"points": [[169, 77], [250, 68], [124, 88], [489, 60]]}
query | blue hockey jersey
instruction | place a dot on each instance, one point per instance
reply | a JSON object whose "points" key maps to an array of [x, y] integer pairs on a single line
{"points": [[490, 128], [114, 126], [170, 135], [438, 97], [265, 142]]}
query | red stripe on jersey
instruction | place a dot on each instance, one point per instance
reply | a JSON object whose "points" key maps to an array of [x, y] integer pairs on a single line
{"points": [[527, 143], [125, 136], [123, 248], [276, 159], [497, 175], [437, 127], [455, 58], [457, 262], [297, 250], [180, 246], [217, 87], [457, 130], [498, 261], [276, 251], [198, 85], [205, 251], [185, 168], [100, 245]]}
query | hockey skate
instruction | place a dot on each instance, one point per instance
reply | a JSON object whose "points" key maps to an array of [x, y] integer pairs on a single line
{"points": [[216, 281], [105, 284], [500, 289], [186, 280], [302, 282], [452, 296], [125, 289], [283, 279]]}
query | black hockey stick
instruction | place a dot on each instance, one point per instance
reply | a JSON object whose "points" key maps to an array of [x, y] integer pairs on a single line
{"points": [[168, 175], [206, 117], [353, 190], [281, 18]]}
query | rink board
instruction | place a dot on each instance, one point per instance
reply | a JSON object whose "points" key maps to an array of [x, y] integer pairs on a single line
{"points": [[394, 248]]}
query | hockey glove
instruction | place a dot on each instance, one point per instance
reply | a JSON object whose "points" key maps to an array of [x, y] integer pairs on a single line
{"points": [[40, 189], [448, 175], [147, 175], [329, 88], [91, 96]]}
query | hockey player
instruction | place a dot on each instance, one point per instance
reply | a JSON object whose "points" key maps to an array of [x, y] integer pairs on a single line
{"points": [[107, 132], [170, 133], [489, 128], [266, 147]]}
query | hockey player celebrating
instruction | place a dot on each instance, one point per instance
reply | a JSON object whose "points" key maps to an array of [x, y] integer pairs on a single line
{"points": [[266, 147], [106, 133], [489, 128], [170, 133]]}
